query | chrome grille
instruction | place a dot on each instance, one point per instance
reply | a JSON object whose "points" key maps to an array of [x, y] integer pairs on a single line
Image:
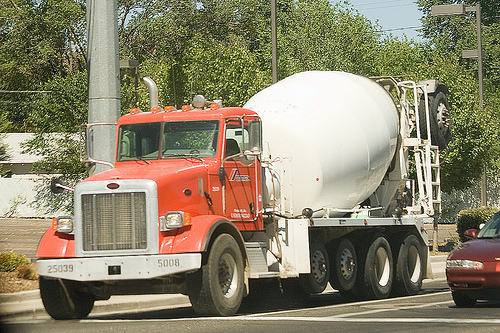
{"points": [[114, 221]]}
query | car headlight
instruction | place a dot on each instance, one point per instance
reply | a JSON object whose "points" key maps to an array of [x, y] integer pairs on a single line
{"points": [[464, 264], [172, 220], [63, 224]]}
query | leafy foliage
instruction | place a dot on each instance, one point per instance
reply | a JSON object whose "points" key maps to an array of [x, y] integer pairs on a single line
{"points": [[10, 260], [222, 49], [39, 40], [476, 127]]}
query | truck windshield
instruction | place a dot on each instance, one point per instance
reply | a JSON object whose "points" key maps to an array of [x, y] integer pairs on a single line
{"points": [[139, 141], [179, 139], [190, 139]]}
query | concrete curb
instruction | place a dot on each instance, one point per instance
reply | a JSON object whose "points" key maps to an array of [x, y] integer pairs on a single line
{"points": [[19, 296], [29, 304]]}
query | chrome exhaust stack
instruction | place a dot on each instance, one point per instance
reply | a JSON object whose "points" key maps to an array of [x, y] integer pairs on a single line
{"points": [[153, 92]]}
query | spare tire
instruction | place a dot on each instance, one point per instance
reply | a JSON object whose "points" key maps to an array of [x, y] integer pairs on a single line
{"points": [[439, 110]]}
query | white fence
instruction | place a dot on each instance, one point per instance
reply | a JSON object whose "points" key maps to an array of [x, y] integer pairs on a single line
{"points": [[17, 198]]}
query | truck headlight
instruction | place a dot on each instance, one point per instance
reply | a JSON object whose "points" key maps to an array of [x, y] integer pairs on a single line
{"points": [[172, 220], [464, 264], [63, 224]]}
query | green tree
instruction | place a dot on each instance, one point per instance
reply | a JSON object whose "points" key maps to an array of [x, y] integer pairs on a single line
{"points": [[222, 70], [39, 39], [476, 127], [316, 35]]}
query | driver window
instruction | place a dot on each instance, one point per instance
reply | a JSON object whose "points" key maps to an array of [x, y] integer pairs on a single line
{"points": [[237, 139]]}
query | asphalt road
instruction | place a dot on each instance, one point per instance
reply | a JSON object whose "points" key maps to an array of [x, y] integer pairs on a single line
{"points": [[271, 311]]}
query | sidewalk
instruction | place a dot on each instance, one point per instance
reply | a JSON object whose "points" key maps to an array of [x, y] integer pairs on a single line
{"points": [[27, 304]]}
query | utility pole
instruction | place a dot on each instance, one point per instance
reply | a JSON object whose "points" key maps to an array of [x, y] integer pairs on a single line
{"points": [[103, 79]]}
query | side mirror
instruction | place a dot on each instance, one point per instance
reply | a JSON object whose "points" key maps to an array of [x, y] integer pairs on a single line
{"points": [[57, 186], [248, 157], [470, 234], [255, 133]]}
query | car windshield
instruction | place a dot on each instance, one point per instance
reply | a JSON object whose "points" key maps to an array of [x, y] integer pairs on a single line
{"points": [[178, 139], [492, 228]]}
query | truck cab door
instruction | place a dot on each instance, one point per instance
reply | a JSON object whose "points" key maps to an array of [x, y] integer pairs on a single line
{"points": [[241, 174]]}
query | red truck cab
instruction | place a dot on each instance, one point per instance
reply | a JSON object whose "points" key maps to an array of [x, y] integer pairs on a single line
{"points": [[181, 179]]}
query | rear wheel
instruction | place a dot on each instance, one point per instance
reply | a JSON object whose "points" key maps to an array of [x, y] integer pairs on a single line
{"points": [[63, 299], [410, 266], [344, 266], [462, 300], [378, 269], [316, 281], [218, 287]]}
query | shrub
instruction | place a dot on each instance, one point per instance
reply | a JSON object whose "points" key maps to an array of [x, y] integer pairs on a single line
{"points": [[27, 272], [472, 218], [9, 261]]}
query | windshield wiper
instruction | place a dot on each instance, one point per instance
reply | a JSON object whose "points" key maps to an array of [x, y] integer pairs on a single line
{"points": [[185, 156], [140, 158]]}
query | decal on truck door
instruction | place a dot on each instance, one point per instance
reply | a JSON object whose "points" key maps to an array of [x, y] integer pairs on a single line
{"points": [[237, 177]]}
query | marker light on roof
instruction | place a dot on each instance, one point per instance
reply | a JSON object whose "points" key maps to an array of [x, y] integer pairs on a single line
{"points": [[135, 110], [186, 107], [170, 108], [155, 109], [199, 101]]}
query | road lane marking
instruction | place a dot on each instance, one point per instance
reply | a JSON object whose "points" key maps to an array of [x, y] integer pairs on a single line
{"points": [[422, 320], [391, 309]]}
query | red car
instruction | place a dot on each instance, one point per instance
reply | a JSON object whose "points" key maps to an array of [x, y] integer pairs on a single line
{"points": [[473, 268]]}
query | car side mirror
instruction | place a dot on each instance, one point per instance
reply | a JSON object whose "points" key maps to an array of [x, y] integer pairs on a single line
{"points": [[470, 234]]}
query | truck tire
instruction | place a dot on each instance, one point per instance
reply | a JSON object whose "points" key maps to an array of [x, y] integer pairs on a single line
{"points": [[217, 289], [439, 119], [63, 301], [316, 281], [378, 269], [344, 266], [462, 300], [410, 267]]}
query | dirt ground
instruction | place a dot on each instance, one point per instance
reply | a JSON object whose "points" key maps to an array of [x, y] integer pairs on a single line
{"points": [[10, 283], [23, 235]]}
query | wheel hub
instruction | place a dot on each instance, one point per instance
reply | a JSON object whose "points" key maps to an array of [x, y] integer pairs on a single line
{"points": [[347, 264], [318, 266], [227, 275]]}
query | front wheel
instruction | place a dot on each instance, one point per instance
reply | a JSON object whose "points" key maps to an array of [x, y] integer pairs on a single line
{"points": [[217, 289], [63, 299]]}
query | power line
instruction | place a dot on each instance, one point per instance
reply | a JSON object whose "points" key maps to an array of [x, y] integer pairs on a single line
{"points": [[397, 29], [24, 91]]}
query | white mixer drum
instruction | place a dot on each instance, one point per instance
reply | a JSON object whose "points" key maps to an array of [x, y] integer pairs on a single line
{"points": [[333, 133]]}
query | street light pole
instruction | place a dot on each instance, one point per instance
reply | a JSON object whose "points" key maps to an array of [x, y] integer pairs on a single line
{"points": [[460, 10], [484, 194]]}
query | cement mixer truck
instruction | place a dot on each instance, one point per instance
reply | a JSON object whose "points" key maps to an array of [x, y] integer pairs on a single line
{"points": [[308, 182]]}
